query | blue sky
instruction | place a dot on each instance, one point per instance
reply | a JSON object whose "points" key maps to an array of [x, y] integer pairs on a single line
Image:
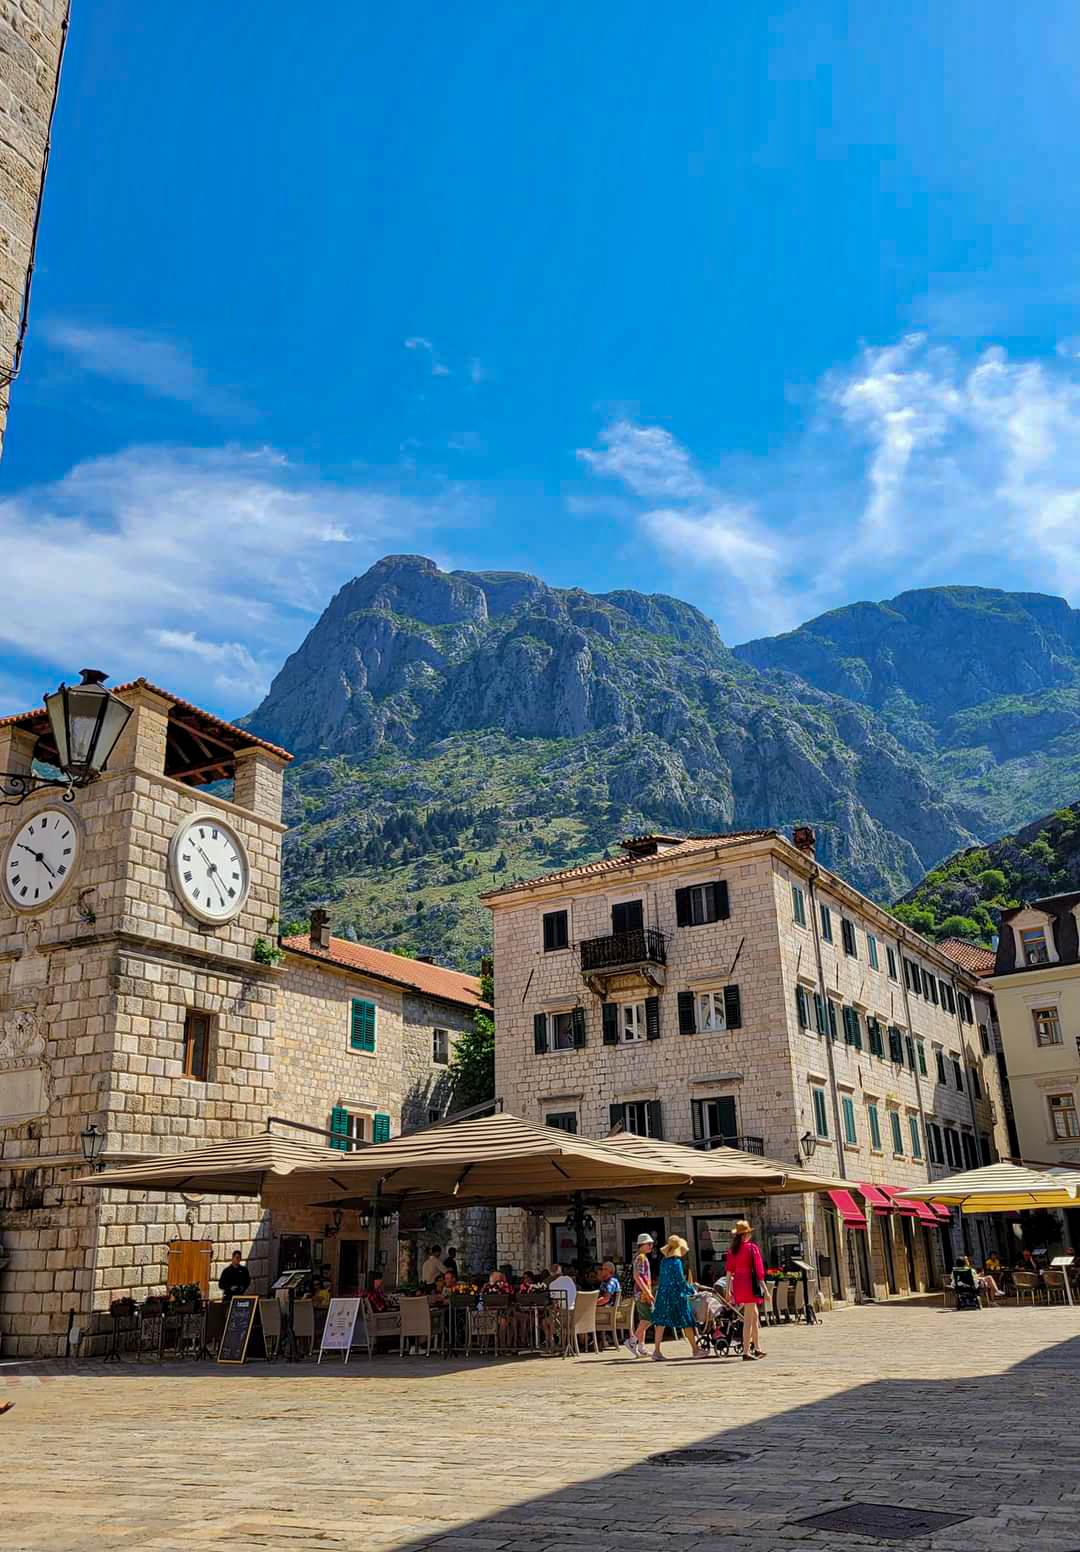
{"points": [[772, 307]]}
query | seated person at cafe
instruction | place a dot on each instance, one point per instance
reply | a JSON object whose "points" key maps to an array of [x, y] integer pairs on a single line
{"points": [[562, 1289], [608, 1284], [433, 1266], [378, 1297], [497, 1283], [321, 1296], [235, 1279], [450, 1282]]}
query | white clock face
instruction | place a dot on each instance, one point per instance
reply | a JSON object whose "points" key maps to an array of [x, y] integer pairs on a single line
{"points": [[209, 868], [40, 859]]}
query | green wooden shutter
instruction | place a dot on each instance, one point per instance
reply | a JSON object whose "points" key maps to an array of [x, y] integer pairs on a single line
{"points": [[687, 1020], [847, 1106], [920, 1053], [732, 1008], [577, 1024], [656, 1118], [830, 1009], [682, 908], [819, 1013], [540, 1040], [362, 1025], [821, 1123], [652, 1018], [909, 1047], [916, 1141], [697, 1118], [381, 1130], [875, 1127], [721, 900], [611, 1023], [802, 1012], [339, 1126]]}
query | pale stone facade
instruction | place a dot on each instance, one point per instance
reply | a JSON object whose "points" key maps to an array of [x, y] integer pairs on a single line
{"points": [[31, 43], [96, 991], [753, 1079]]}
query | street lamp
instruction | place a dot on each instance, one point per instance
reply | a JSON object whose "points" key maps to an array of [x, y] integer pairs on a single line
{"points": [[808, 1142], [92, 1142], [86, 721]]}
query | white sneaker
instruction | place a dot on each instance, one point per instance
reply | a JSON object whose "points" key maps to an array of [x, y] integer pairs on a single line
{"points": [[631, 1346]]}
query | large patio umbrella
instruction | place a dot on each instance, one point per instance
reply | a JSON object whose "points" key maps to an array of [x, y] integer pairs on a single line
{"points": [[1001, 1188], [720, 1172], [261, 1165]]}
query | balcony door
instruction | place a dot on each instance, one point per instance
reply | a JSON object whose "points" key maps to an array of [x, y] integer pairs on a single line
{"points": [[629, 916]]}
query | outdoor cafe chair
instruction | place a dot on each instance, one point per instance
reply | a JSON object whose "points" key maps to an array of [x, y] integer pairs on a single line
{"points": [[798, 1301], [377, 1323], [530, 1307], [483, 1326], [304, 1326], [1054, 1284], [1026, 1283], [584, 1321], [416, 1323], [607, 1321], [270, 1320]]}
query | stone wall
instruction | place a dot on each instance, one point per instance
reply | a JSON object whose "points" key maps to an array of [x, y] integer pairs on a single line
{"points": [[30, 46], [426, 1083]]}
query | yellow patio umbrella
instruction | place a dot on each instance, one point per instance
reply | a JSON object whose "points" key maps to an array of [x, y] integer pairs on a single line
{"points": [[1001, 1188]]}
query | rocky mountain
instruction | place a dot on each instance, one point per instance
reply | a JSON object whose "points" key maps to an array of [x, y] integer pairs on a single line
{"points": [[455, 729], [962, 896], [983, 686]]}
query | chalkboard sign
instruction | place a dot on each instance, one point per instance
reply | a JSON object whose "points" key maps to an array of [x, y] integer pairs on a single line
{"points": [[239, 1324], [340, 1323]]}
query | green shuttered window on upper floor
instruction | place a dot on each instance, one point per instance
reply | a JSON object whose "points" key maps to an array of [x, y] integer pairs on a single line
{"points": [[361, 1025]]}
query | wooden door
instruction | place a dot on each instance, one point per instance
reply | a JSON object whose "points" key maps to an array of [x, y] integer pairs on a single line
{"points": [[189, 1262]]}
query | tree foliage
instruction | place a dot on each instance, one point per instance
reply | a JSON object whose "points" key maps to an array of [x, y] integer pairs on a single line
{"points": [[472, 1065]]}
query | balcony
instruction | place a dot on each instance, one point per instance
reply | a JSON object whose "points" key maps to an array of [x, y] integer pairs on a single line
{"points": [[642, 952], [744, 1144]]}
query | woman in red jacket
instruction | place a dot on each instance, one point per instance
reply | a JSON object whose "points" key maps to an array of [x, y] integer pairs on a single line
{"points": [[746, 1286]]}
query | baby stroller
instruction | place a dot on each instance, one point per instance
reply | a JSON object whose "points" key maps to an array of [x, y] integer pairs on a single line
{"points": [[966, 1287], [717, 1321]]}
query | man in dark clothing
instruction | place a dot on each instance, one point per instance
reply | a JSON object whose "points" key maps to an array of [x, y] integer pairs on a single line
{"points": [[235, 1279]]}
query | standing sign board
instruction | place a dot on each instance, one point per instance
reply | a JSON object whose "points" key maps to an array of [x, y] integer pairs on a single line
{"points": [[340, 1323], [239, 1324]]}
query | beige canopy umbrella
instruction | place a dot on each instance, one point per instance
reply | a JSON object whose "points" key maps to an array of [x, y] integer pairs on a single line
{"points": [[261, 1165], [719, 1172], [500, 1160], [1001, 1188], [493, 1160]]}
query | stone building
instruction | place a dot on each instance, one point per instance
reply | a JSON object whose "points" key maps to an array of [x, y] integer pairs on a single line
{"points": [[32, 35], [131, 1002], [1036, 987], [728, 988]]}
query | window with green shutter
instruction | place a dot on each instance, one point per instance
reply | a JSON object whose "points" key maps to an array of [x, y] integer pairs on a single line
{"points": [[916, 1140], [874, 1119], [798, 905], [821, 1120], [380, 1132], [871, 951], [819, 1013], [339, 1128], [830, 1007], [897, 1132], [361, 1025], [896, 1046], [909, 1047], [920, 1052], [847, 1110], [877, 1042], [802, 1010], [847, 933]]}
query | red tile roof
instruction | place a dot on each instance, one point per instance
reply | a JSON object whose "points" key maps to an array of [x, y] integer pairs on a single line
{"points": [[971, 957], [431, 980], [236, 738], [685, 848]]}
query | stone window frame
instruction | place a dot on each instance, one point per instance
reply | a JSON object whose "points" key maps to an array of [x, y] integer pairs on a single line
{"points": [[210, 1049], [1066, 1110], [436, 1046], [1030, 920]]}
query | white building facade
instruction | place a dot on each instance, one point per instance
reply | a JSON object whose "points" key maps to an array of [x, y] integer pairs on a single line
{"points": [[729, 989]]}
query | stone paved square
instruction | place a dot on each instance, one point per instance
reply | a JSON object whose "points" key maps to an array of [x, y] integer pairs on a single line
{"points": [[903, 1404]]}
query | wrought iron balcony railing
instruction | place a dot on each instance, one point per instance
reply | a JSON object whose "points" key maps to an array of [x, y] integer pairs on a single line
{"points": [[743, 1143], [642, 946]]}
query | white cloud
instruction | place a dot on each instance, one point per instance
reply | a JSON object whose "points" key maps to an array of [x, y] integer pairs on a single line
{"points": [[919, 467], [200, 568], [418, 342], [158, 366]]}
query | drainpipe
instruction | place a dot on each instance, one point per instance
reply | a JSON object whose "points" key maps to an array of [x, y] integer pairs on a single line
{"points": [[814, 927]]}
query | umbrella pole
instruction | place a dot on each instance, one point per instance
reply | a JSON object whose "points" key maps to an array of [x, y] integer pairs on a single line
{"points": [[579, 1223], [373, 1238]]}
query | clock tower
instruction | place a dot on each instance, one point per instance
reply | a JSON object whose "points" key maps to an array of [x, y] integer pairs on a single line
{"points": [[133, 999]]}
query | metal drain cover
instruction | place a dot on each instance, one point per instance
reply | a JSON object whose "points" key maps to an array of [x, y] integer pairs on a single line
{"points": [[696, 1458], [888, 1521]]}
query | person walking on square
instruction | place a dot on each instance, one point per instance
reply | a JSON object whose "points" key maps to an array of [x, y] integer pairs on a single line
{"points": [[643, 1295], [672, 1304], [746, 1284]]}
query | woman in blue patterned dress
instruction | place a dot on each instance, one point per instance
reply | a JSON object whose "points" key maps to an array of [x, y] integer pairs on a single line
{"points": [[672, 1304]]}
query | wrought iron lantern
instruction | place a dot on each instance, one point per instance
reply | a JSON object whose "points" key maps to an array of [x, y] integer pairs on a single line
{"points": [[93, 1140], [86, 721], [809, 1143]]}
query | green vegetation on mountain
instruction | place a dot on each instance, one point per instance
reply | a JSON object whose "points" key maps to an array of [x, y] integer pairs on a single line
{"points": [[961, 897]]}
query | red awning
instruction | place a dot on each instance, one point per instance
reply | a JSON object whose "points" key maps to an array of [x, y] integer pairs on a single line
{"points": [[851, 1214], [926, 1214], [909, 1209], [940, 1211], [875, 1196]]}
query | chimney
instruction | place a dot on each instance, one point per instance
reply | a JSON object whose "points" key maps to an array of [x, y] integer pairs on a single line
{"points": [[319, 929], [805, 839]]}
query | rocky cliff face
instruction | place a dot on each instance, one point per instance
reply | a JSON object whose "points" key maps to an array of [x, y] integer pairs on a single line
{"points": [[457, 726]]}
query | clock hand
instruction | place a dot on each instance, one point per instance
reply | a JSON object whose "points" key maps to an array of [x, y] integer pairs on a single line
{"points": [[38, 856], [211, 869]]}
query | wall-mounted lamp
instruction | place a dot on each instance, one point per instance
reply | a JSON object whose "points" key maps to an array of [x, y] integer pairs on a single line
{"points": [[808, 1142], [92, 1141]]}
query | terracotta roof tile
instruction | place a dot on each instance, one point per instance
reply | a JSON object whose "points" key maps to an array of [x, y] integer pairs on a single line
{"points": [[969, 956], [38, 720], [432, 980], [684, 848]]}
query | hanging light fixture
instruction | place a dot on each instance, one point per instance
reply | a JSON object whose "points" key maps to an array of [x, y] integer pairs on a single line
{"points": [[86, 721], [93, 1140]]}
